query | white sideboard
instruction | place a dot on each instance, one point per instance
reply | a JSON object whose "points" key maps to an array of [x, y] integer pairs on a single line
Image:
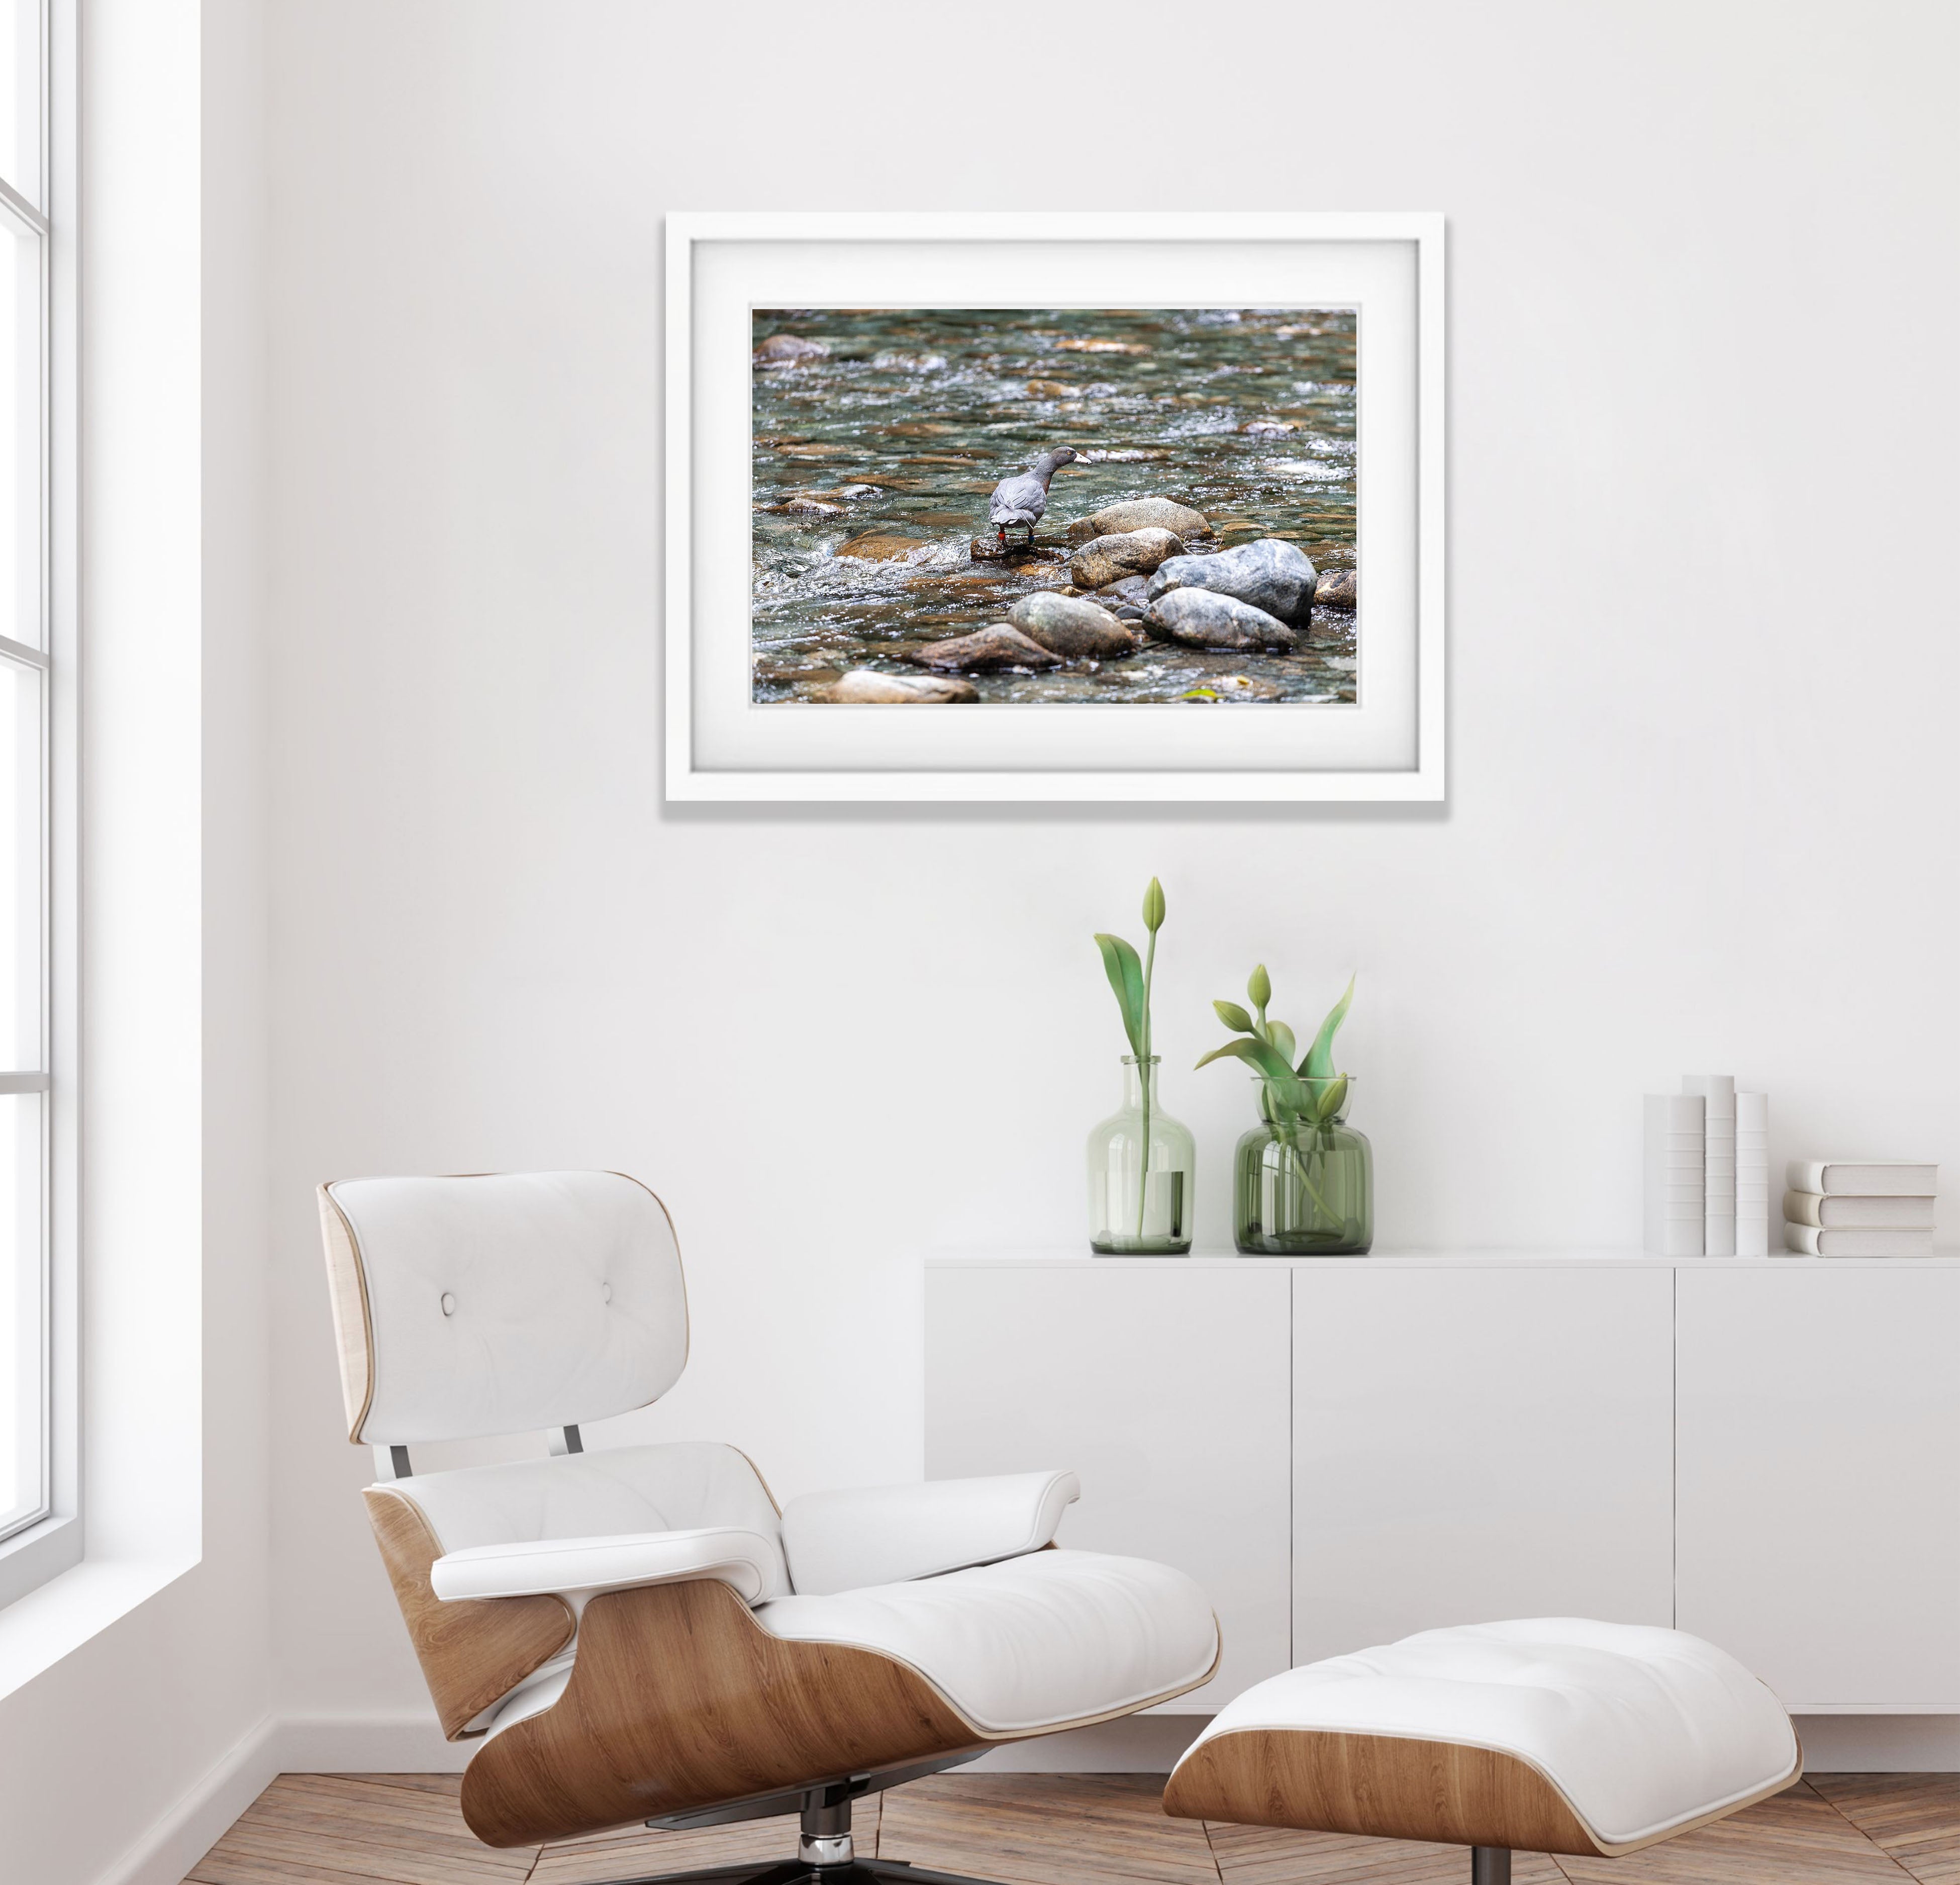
{"points": [[1342, 1451]]}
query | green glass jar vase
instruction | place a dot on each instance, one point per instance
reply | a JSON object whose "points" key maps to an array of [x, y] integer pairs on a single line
{"points": [[1302, 1189], [1141, 1165]]}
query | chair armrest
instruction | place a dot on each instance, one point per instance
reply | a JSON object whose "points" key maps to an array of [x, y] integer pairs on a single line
{"points": [[564, 1567], [891, 1534]]}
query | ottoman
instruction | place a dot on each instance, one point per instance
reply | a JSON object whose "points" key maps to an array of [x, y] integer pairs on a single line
{"points": [[1549, 1735]]}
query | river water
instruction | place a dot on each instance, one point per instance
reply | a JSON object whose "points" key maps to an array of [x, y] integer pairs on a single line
{"points": [[903, 427]]}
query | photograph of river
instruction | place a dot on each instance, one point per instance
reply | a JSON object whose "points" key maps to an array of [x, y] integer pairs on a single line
{"points": [[1077, 505]]}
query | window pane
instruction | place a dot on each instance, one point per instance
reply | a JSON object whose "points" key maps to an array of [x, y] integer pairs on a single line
{"points": [[21, 872], [20, 456], [23, 1342], [20, 96]]}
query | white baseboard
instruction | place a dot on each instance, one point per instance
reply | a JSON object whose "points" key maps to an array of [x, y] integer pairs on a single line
{"points": [[406, 1743], [410, 1742], [199, 1820], [1880, 1743]]}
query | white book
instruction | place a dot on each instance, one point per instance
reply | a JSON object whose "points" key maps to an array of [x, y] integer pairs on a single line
{"points": [[1810, 1239], [1842, 1211], [1869, 1178], [1675, 1204], [1752, 1174], [1717, 1093]]}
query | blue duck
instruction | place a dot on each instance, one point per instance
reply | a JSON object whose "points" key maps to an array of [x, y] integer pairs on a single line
{"points": [[1022, 499]]}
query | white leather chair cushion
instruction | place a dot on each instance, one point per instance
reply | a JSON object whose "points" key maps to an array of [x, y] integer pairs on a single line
{"points": [[1039, 1642], [625, 1492], [884, 1534], [546, 1567], [1642, 1730], [513, 1302]]}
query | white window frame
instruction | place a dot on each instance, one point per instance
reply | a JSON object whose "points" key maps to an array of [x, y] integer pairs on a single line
{"points": [[39, 1548]]}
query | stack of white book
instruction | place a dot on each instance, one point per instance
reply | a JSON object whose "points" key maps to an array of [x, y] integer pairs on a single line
{"points": [[1859, 1207], [1708, 1170]]}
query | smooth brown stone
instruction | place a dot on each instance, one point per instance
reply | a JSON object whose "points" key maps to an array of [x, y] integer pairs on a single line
{"points": [[1337, 589], [995, 646], [864, 686], [1072, 626], [779, 348], [1108, 559], [1139, 514], [881, 546]]}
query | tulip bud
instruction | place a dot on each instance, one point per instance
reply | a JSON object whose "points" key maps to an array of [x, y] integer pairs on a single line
{"points": [[1233, 1016], [1260, 988], [1153, 907]]}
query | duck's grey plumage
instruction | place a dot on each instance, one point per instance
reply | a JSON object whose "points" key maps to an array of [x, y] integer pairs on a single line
{"points": [[1023, 499]]}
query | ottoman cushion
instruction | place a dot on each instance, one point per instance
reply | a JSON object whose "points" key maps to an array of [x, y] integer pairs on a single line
{"points": [[1553, 1734]]}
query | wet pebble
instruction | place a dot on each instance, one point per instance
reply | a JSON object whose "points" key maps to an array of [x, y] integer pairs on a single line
{"points": [[810, 506], [787, 349], [1051, 390], [1108, 559], [864, 686], [1271, 575], [995, 646], [1268, 427], [1202, 618], [1138, 514], [1072, 625], [1135, 589]]}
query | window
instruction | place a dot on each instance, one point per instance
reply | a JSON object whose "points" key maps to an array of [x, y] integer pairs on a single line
{"points": [[28, 1371]]}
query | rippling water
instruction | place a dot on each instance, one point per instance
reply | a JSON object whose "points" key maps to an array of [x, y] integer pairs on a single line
{"points": [[905, 426]]}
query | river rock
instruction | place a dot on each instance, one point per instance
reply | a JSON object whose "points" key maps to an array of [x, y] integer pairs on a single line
{"points": [[881, 546], [1336, 590], [1135, 589], [997, 645], [1268, 427], [811, 507], [787, 349], [1141, 513], [1073, 626], [1108, 559], [1270, 575], [1203, 618], [865, 686]]}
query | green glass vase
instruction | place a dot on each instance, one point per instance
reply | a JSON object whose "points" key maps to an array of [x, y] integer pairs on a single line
{"points": [[1141, 1164], [1300, 1189]]}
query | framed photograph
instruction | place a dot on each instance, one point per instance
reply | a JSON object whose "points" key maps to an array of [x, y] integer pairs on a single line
{"points": [[1114, 507]]}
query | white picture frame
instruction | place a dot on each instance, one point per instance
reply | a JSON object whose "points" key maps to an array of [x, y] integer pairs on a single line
{"points": [[1387, 746]]}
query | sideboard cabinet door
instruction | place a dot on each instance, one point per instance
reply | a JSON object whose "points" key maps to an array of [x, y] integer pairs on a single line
{"points": [[1479, 1442], [1165, 1385], [1819, 1508]]}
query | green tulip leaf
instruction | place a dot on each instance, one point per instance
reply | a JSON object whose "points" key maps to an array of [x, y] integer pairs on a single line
{"points": [[1256, 1054], [1319, 1064], [1125, 971], [1233, 1016], [1283, 1043], [1153, 907]]}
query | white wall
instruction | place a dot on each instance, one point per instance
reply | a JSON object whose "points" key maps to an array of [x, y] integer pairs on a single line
{"points": [[1703, 668]]}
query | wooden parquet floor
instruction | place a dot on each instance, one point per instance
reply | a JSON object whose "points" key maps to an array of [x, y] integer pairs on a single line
{"points": [[1073, 1829]]}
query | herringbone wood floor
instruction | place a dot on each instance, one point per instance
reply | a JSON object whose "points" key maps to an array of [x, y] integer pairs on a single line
{"points": [[1074, 1829]]}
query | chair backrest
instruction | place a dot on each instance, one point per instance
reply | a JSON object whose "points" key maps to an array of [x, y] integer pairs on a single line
{"points": [[500, 1304]]}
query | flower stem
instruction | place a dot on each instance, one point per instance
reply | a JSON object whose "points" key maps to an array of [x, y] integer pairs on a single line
{"points": [[1144, 1073]]}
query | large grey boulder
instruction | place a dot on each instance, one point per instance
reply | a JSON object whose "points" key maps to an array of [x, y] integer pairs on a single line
{"points": [[1108, 559], [1141, 513], [1072, 625], [1270, 575], [1203, 618]]}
